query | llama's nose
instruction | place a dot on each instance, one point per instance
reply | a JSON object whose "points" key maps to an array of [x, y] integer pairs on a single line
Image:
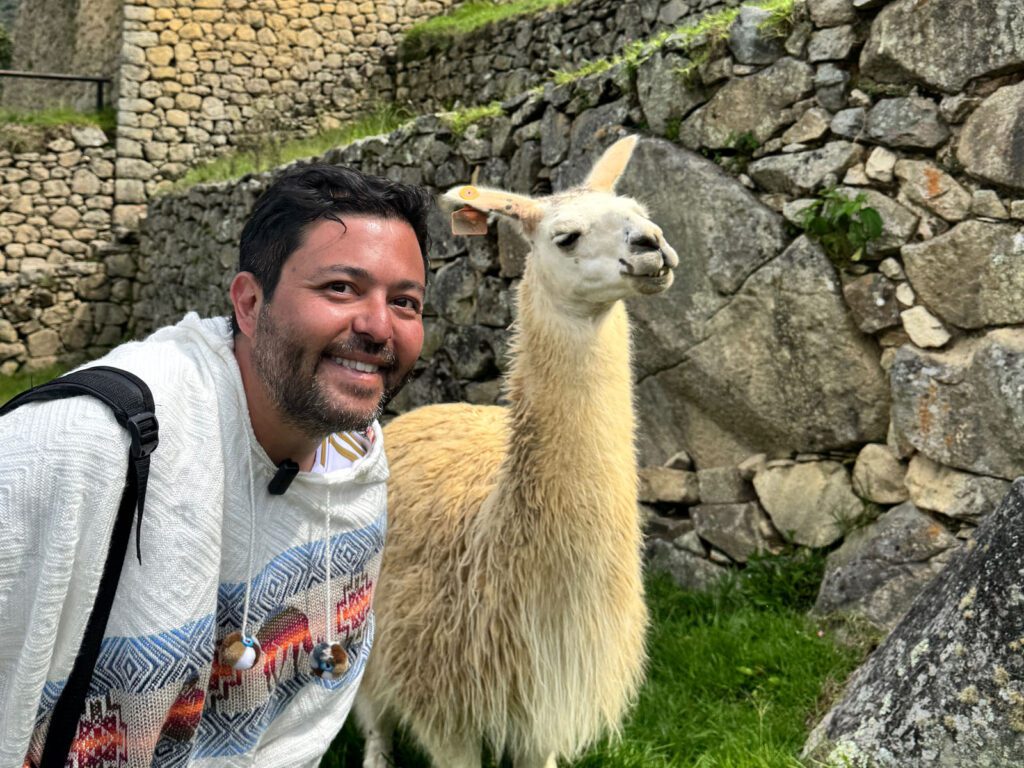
{"points": [[648, 257]]}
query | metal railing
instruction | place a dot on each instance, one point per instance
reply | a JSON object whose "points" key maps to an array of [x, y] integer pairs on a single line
{"points": [[100, 81]]}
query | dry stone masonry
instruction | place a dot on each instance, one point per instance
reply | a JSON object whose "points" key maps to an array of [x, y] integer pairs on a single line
{"points": [[874, 408]]}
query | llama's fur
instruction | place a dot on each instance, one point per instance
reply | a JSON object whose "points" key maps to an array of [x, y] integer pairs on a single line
{"points": [[510, 606]]}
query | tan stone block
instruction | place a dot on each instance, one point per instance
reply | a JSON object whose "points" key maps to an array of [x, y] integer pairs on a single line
{"points": [[43, 343], [177, 118], [163, 73], [189, 101], [207, 16], [190, 31], [160, 56]]}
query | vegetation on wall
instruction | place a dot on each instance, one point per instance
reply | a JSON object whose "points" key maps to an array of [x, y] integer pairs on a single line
{"points": [[439, 30], [843, 225]]}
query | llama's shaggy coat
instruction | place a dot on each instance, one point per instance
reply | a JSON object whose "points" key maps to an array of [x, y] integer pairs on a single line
{"points": [[510, 607]]}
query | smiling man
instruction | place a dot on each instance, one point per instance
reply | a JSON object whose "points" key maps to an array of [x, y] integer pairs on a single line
{"points": [[241, 636]]}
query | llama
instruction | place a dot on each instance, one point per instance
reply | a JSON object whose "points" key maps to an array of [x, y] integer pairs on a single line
{"points": [[510, 605]]}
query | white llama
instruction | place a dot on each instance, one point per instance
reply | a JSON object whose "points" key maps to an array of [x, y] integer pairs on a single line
{"points": [[510, 606]]}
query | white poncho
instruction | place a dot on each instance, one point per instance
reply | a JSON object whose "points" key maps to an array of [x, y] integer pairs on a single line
{"points": [[159, 695]]}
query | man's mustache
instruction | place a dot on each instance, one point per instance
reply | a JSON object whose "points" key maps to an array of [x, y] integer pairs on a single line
{"points": [[357, 344]]}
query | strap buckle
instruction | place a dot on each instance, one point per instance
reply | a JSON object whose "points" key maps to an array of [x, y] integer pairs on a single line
{"points": [[144, 430]]}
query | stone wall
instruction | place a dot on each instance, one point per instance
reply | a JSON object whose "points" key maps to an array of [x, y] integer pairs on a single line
{"points": [[202, 76], [878, 405], [76, 37], [65, 287], [504, 59]]}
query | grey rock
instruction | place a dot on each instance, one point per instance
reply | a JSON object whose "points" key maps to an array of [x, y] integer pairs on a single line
{"points": [[666, 94], [991, 146], [832, 44], [493, 303], [879, 476], [661, 484], [689, 571], [955, 109], [830, 86], [872, 300], [724, 485], [944, 44], [881, 568], [698, 207], [452, 292], [910, 121], [927, 184], [801, 173], [831, 13], [513, 249], [89, 136], [849, 123], [970, 276], [944, 688], [748, 41], [954, 494], [471, 350], [952, 406], [756, 105], [810, 127], [554, 141], [809, 503], [739, 530], [986, 202], [758, 379]]}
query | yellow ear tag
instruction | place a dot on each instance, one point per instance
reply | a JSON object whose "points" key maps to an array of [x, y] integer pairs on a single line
{"points": [[469, 193], [469, 221]]}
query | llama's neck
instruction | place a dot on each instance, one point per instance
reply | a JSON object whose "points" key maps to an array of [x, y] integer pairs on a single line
{"points": [[570, 390]]}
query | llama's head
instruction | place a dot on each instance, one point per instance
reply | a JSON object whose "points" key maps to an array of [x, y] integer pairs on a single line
{"points": [[590, 247]]}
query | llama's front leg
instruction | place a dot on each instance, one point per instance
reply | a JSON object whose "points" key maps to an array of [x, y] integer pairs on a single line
{"points": [[378, 727], [534, 760]]}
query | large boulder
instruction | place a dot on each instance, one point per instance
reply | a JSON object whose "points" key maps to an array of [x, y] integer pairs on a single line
{"points": [[944, 43], [970, 276], [945, 689], [757, 105], [992, 143], [780, 367], [963, 407], [881, 568]]}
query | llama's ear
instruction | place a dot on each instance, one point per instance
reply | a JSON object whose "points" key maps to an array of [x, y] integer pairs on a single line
{"points": [[609, 168], [521, 207]]}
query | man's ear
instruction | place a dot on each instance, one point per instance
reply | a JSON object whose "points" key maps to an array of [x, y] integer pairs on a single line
{"points": [[247, 300]]}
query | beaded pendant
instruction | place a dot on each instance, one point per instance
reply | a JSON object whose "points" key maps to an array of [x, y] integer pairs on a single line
{"points": [[240, 652], [329, 661]]}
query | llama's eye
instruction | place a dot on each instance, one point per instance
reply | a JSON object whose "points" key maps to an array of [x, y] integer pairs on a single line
{"points": [[566, 239]]}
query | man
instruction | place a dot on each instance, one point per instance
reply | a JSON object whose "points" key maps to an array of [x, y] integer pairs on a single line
{"points": [[233, 643]]}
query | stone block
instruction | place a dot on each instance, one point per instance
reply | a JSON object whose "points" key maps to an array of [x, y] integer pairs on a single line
{"points": [[661, 484]]}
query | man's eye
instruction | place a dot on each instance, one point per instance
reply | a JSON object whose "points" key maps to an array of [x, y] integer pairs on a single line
{"points": [[341, 287], [406, 302]]}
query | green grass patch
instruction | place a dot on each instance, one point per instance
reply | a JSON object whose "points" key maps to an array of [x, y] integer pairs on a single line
{"points": [[736, 676], [59, 116], [463, 118], [19, 382], [271, 151], [701, 36], [421, 38]]}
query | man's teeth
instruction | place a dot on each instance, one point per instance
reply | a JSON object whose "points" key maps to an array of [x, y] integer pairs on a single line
{"points": [[356, 365]]}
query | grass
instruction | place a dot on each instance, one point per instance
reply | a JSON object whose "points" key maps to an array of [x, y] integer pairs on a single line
{"points": [[51, 118], [701, 36], [463, 118], [466, 17], [19, 382], [272, 152], [735, 679]]}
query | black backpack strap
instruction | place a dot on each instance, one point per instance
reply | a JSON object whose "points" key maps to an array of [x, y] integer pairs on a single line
{"points": [[132, 403]]}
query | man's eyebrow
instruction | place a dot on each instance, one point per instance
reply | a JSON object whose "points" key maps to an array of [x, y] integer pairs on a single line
{"points": [[362, 274]]}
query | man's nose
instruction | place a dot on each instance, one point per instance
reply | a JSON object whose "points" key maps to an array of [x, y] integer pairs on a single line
{"points": [[373, 319]]}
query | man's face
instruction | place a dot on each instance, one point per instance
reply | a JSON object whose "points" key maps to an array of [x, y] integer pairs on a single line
{"points": [[344, 326]]}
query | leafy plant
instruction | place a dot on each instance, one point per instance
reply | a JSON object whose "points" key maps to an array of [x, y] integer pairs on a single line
{"points": [[461, 119], [843, 225]]}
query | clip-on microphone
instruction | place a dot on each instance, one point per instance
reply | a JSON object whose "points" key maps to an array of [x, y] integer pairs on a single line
{"points": [[286, 472]]}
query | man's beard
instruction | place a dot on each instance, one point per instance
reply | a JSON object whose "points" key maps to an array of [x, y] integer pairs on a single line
{"points": [[290, 379]]}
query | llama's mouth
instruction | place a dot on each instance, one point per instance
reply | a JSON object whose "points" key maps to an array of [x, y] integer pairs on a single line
{"points": [[648, 284]]}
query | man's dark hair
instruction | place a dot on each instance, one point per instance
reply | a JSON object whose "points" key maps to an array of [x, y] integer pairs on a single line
{"points": [[306, 194]]}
